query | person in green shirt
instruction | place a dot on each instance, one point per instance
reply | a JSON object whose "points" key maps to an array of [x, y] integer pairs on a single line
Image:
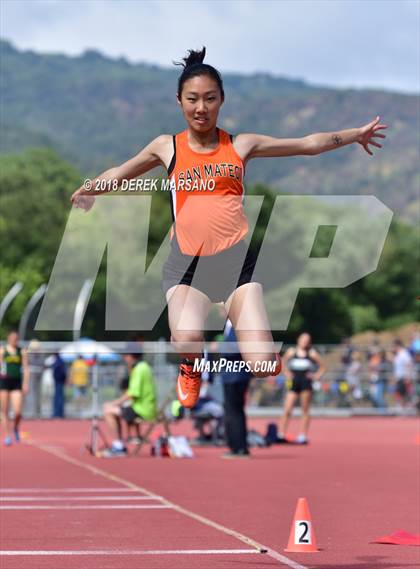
{"points": [[139, 401]]}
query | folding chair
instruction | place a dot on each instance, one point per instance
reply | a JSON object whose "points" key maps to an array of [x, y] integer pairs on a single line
{"points": [[161, 419]]}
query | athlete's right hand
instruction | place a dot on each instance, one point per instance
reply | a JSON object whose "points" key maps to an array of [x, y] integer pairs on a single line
{"points": [[80, 200]]}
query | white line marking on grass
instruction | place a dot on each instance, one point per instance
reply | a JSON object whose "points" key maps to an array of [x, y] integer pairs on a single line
{"points": [[74, 498], [190, 514], [98, 507], [134, 552]]}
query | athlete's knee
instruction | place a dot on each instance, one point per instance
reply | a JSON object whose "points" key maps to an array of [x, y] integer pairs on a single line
{"points": [[107, 408], [264, 366], [187, 341]]}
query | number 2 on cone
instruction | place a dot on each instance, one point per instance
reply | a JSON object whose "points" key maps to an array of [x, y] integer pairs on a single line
{"points": [[303, 532]]}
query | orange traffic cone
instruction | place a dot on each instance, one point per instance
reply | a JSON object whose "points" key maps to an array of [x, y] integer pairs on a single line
{"points": [[302, 535]]}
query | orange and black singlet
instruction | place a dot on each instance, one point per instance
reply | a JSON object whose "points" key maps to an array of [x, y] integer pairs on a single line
{"points": [[207, 196]]}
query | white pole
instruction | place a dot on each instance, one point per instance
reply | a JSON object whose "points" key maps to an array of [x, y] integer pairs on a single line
{"points": [[36, 297], [81, 305], [5, 303]]}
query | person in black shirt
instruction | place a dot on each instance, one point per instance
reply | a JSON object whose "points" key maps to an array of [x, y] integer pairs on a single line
{"points": [[235, 386], [60, 375]]}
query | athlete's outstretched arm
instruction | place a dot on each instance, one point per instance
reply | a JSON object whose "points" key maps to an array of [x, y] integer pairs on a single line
{"points": [[258, 145], [147, 159]]}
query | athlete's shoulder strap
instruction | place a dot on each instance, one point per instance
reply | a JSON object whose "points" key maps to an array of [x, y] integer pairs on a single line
{"points": [[228, 135], [173, 160]]}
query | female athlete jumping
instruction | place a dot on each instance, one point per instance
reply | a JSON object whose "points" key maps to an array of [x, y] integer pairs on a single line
{"points": [[209, 260]]}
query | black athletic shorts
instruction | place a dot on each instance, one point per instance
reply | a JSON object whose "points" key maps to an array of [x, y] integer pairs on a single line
{"points": [[300, 384], [217, 276], [401, 388], [129, 415], [10, 383]]}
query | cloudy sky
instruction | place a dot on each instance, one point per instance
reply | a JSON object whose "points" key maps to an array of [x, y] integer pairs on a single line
{"points": [[342, 43]]}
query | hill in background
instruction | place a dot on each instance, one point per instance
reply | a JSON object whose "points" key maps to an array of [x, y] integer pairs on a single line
{"points": [[97, 112]]}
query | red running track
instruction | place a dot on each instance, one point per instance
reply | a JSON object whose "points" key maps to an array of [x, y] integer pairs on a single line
{"points": [[360, 476]]}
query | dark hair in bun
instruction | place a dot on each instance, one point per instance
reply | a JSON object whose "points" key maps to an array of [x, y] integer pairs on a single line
{"points": [[194, 67]]}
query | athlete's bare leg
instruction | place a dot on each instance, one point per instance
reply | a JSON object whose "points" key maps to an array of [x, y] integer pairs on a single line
{"points": [[289, 403], [188, 309], [305, 403], [246, 310], [112, 418], [16, 399], [4, 403]]}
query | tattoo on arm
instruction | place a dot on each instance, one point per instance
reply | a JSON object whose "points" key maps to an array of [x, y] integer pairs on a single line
{"points": [[337, 139]]}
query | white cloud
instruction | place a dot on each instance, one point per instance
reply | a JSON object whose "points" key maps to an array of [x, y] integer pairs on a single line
{"points": [[333, 42]]}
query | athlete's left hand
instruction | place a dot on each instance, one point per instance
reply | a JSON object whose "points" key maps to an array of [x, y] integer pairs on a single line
{"points": [[81, 200], [369, 132], [25, 388]]}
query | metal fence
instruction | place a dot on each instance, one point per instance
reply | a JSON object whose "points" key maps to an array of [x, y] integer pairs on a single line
{"points": [[334, 393]]}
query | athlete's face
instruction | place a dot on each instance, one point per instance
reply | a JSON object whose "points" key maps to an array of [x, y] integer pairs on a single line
{"points": [[304, 341], [200, 101], [13, 339]]}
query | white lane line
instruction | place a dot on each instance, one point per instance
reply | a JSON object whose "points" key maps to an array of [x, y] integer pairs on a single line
{"points": [[98, 507], [59, 490], [286, 560], [134, 552], [189, 513], [75, 498]]}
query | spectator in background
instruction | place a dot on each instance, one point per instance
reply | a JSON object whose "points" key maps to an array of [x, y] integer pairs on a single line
{"points": [[207, 411], [235, 385], [379, 371], [347, 351], [353, 375], [415, 344], [373, 349], [79, 378], [141, 393], [133, 429], [403, 371], [36, 369], [59, 371], [415, 352]]}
